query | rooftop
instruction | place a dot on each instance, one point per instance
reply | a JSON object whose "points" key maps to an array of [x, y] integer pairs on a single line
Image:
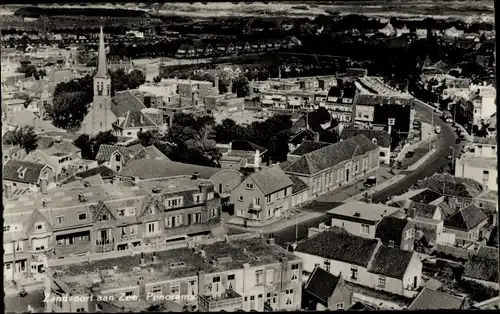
{"points": [[146, 169], [391, 229], [383, 138], [298, 185], [31, 171], [271, 179], [450, 185], [253, 251], [339, 245], [426, 196], [480, 267], [429, 299], [321, 285], [309, 146], [372, 212], [466, 218], [391, 262]]}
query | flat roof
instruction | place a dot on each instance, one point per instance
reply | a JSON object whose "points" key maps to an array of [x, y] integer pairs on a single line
{"points": [[219, 257], [366, 211]]}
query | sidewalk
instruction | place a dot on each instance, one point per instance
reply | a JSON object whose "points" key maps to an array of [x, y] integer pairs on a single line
{"points": [[277, 225], [422, 160]]}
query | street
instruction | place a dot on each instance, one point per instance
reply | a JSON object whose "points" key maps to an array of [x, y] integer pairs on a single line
{"points": [[427, 169], [16, 304]]}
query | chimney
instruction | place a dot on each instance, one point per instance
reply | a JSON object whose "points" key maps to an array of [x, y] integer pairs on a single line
{"points": [[201, 282], [8, 191], [43, 186], [270, 241], [316, 137], [195, 176], [153, 258], [256, 159], [142, 258]]}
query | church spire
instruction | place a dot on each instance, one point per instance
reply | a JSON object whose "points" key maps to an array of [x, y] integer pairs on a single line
{"points": [[102, 69]]}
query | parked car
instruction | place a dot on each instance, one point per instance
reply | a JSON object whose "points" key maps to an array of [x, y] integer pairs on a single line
{"points": [[370, 181], [410, 154]]}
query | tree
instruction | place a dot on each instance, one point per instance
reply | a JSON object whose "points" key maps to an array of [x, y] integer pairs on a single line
{"points": [[84, 142], [228, 131], [136, 78], [223, 88], [119, 80], [329, 136], [157, 79], [68, 110], [241, 86], [23, 136], [278, 146]]}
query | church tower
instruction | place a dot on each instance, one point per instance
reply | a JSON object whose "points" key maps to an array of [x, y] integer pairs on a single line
{"points": [[101, 116]]}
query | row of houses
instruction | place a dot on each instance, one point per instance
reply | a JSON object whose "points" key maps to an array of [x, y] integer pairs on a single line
{"points": [[200, 49]]}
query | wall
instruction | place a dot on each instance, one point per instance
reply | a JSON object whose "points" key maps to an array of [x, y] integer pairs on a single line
{"points": [[228, 179], [300, 198], [465, 170], [355, 227], [364, 113], [489, 284]]}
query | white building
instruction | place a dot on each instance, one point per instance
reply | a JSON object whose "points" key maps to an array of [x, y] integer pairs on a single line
{"points": [[484, 100], [480, 163]]}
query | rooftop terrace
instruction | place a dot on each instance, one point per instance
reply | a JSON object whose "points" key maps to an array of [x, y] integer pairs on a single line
{"points": [[178, 263]]}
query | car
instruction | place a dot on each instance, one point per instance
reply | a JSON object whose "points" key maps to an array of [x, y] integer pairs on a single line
{"points": [[370, 181]]}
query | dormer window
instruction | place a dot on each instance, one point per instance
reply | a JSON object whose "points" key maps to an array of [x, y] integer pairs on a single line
{"points": [[118, 157], [104, 217], [197, 198], [39, 226], [21, 172], [151, 210], [374, 140]]}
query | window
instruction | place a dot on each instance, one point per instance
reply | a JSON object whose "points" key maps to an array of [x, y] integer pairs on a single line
{"points": [[173, 202], [391, 243], [249, 186], [133, 230], [129, 293], [354, 272], [285, 192], [197, 198], [381, 282], [340, 306], [19, 246], [7, 266], [256, 201], [82, 216], [80, 310], [118, 157], [365, 229], [60, 220], [196, 218], [214, 212], [175, 289], [216, 279], [152, 227], [326, 264], [295, 272], [289, 296], [269, 199], [6, 228], [121, 212], [258, 277], [269, 277], [151, 210], [39, 226], [240, 198]]}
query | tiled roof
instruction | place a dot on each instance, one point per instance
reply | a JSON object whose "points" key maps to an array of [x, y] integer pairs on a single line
{"points": [[391, 229], [346, 92], [446, 209], [106, 150], [155, 153], [422, 210], [426, 196], [308, 147], [298, 185], [136, 119], [370, 99], [63, 147], [271, 179], [302, 135], [125, 101], [466, 218], [153, 168], [103, 171], [391, 262], [331, 155], [44, 142], [32, 174], [321, 285], [481, 267], [340, 246], [382, 137], [429, 299], [246, 146]]}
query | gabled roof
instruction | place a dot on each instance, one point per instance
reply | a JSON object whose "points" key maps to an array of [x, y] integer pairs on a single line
{"points": [[32, 174], [466, 218], [271, 179], [106, 150], [426, 196], [308, 147], [391, 262], [383, 138], [331, 155], [482, 268], [298, 185], [345, 92], [103, 171], [339, 245], [391, 229], [63, 147], [300, 136], [125, 101], [155, 153], [429, 299], [321, 285], [136, 119]]}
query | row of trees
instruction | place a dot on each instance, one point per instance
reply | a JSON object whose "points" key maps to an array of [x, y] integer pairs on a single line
{"points": [[72, 99]]}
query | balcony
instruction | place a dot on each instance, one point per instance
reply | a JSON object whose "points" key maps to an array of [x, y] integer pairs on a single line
{"points": [[228, 301]]}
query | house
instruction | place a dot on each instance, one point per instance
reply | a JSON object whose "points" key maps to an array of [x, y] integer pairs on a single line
{"points": [[58, 156], [301, 137], [396, 232], [428, 222], [378, 137], [186, 51], [479, 163], [429, 299], [325, 291], [466, 224], [25, 174], [335, 165], [243, 154], [263, 195], [229, 282], [224, 180], [360, 218], [134, 122], [117, 157], [300, 191], [305, 147], [12, 152], [103, 172], [482, 270], [12, 106], [340, 102], [362, 261]]}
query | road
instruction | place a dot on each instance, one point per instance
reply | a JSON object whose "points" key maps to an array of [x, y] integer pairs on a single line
{"points": [[431, 166], [15, 304]]}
